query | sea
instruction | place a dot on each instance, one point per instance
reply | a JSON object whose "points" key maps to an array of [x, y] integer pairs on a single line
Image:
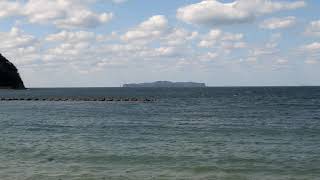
{"points": [[218, 133]]}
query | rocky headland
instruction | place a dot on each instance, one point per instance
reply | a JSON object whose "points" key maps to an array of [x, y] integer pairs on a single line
{"points": [[9, 75]]}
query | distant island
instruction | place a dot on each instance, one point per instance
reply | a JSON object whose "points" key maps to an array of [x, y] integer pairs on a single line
{"points": [[166, 84], [9, 76]]}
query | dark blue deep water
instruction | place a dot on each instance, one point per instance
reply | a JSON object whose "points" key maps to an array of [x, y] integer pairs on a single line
{"points": [[263, 133]]}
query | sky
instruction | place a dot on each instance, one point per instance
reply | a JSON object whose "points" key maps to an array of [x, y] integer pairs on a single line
{"points": [[106, 43]]}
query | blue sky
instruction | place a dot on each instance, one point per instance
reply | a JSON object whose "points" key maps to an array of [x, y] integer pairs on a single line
{"points": [[78, 43]]}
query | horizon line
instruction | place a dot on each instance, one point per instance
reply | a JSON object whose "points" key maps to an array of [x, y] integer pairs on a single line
{"points": [[227, 86]]}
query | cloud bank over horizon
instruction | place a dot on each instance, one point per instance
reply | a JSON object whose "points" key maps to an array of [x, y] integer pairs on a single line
{"points": [[59, 43]]}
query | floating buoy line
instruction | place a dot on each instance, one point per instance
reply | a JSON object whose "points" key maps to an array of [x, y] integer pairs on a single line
{"points": [[80, 99]]}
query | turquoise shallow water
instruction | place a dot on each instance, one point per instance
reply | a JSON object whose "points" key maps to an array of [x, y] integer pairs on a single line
{"points": [[209, 133]]}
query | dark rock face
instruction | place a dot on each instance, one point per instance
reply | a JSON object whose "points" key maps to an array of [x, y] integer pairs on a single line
{"points": [[9, 76]]}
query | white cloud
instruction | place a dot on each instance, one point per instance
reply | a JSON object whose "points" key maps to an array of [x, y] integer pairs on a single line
{"points": [[9, 8], [179, 36], [42, 11], [156, 29], [313, 28], [209, 56], [74, 46], [16, 38], [278, 23], [148, 30], [311, 61], [119, 1], [313, 47], [63, 14], [18, 46], [67, 36], [77, 49], [274, 41], [219, 39], [266, 50], [211, 38], [235, 45], [84, 19], [166, 51], [232, 37], [214, 12], [282, 61]]}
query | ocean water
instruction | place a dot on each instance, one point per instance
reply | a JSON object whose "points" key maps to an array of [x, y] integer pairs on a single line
{"points": [[262, 133]]}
